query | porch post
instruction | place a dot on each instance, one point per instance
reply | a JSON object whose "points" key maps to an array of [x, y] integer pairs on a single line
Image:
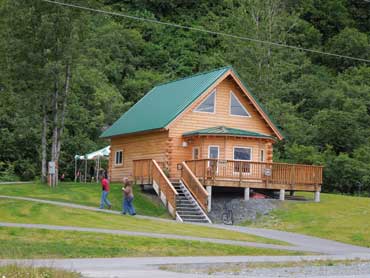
{"points": [[246, 194], [317, 196], [209, 190], [282, 194]]}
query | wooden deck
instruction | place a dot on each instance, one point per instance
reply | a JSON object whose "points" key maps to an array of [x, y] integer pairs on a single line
{"points": [[249, 174]]}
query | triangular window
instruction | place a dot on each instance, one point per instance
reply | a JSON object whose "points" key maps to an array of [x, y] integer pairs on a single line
{"points": [[236, 108], [207, 105]]}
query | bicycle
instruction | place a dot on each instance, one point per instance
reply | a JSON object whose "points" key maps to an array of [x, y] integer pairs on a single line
{"points": [[227, 216]]}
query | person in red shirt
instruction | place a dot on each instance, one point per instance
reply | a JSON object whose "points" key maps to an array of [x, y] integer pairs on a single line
{"points": [[105, 191]]}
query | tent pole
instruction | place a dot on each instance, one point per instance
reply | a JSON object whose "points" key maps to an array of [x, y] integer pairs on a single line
{"points": [[75, 169], [85, 168], [97, 170]]}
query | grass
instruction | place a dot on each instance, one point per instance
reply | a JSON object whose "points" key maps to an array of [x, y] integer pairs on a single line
{"points": [[17, 271], [86, 194], [337, 217], [38, 243], [37, 213]]}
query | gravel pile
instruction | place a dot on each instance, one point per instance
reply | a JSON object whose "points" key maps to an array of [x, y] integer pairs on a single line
{"points": [[241, 210]]}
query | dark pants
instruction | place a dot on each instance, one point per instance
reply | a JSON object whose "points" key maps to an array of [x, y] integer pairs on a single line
{"points": [[127, 206]]}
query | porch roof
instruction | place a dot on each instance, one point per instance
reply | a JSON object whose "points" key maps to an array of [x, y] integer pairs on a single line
{"points": [[223, 130]]}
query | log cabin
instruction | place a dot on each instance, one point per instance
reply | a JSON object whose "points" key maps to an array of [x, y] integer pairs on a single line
{"points": [[187, 136]]}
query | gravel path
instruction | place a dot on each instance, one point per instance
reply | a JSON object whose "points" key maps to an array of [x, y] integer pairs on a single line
{"points": [[301, 242], [351, 269]]}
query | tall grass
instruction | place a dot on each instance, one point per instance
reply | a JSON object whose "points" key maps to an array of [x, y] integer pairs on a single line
{"points": [[18, 271]]}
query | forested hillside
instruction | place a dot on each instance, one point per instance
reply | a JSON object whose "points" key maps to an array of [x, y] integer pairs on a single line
{"points": [[67, 74]]}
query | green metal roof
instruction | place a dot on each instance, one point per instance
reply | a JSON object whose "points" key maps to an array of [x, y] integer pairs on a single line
{"points": [[163, 103], [223, 130]]}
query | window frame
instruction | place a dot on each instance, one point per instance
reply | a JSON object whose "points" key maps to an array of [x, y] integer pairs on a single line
{"points": [[262, 155], [218, 155], [245, 109], [115, 157], [214, 106], [193, 152], [248, 172]]}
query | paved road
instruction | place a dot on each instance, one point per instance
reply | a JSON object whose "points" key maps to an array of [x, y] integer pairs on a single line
{"points": [[149, 267], [299, 242]]}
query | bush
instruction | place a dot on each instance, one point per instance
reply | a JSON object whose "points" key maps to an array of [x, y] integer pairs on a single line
{"points": [[25, 169], [7, 172]]}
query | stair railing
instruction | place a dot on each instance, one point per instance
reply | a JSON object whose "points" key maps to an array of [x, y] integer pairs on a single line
{"points": [[194, 186], [164, 188]]}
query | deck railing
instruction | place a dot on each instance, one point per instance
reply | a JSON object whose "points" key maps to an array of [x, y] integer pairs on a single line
{"points": [[194, 186], [243, 171], [142, 171], [149, 171]]}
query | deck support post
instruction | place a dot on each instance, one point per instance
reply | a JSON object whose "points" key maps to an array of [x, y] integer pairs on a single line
{"points": [[246, 194], [209, 190], [282, 194], [317, 196]]}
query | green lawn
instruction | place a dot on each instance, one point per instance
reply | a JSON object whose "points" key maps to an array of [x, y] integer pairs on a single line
{"points": [[37, 213], [17, 271], [336, 217], [86, 194], [38, 243]]}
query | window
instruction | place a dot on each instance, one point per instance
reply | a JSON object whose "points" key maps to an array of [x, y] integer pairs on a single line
{"points": [[262, 156], [213, 153], [196, 153], [242, 154], [236, 108], [118, 157], [207, 105]]}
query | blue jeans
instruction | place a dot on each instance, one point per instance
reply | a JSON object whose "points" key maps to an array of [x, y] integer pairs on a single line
{"points": [[104, 199], [127, 206]]}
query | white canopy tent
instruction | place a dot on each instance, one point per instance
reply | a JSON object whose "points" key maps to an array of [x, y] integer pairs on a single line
{"points": [[97, 156]]}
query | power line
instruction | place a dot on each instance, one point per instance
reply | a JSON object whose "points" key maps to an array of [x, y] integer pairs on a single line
{"points": [[206, 31]]}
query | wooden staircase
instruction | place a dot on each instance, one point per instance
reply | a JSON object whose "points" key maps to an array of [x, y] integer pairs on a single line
{"points": [[187, 207], [185, 198]]}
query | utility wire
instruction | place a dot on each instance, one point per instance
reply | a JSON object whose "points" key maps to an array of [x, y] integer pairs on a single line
{"points": [[206, 31]]}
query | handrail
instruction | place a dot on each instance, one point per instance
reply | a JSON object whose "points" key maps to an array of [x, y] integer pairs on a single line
{"points": [[149, 170], [194, 186], [163, 175], [255, 162], [267, 172]]}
